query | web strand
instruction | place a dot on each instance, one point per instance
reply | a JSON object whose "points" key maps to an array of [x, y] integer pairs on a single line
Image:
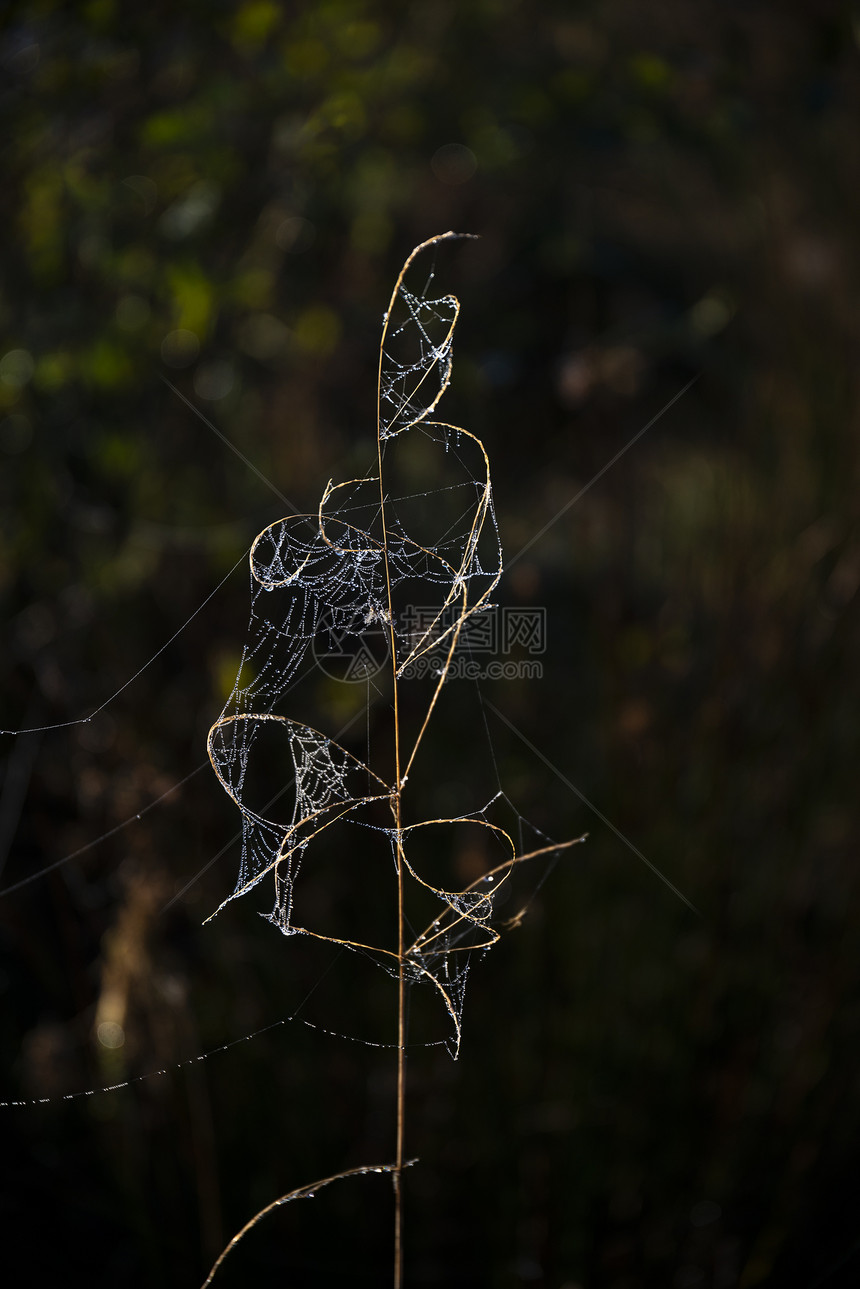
{"points": [[329, 585], [85, 720]]}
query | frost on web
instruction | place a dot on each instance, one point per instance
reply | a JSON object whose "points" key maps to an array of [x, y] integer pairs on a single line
{"points": [[352, 569]]}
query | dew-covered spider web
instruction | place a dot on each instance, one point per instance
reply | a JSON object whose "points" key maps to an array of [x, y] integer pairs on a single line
{"points": [[378, 587], [340, 587]]}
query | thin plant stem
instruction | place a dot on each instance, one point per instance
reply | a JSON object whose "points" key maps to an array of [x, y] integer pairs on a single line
{"points": [[397, 1175], [283, 556]]}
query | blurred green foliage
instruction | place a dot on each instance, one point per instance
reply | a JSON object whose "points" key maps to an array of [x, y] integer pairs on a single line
{"points": [[220, 195]]}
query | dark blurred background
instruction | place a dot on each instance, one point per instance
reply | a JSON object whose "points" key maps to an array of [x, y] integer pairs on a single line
{"points": [[222, 194]]}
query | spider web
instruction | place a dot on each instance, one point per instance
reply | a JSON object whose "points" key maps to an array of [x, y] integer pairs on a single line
{"points": [[350, 571], [353, 573]]}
